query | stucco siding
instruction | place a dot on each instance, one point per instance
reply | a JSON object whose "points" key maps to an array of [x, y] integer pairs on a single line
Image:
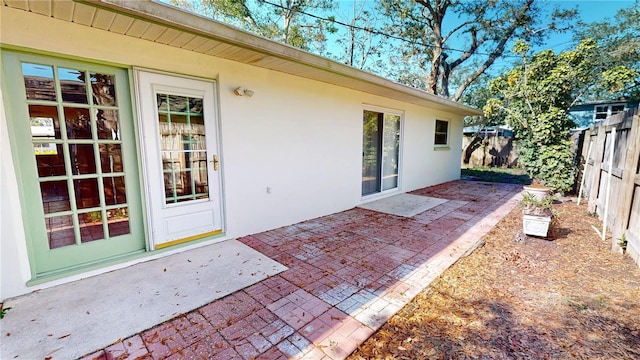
{"points": [[14, 264], [291, 152]]}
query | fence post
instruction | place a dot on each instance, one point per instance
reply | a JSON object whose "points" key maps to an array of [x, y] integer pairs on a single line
{"points": [[583, 161], [584, 167], [597, 171], [627, 185]]}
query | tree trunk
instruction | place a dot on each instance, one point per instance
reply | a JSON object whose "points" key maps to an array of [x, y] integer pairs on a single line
{"points": [[436, 13]]}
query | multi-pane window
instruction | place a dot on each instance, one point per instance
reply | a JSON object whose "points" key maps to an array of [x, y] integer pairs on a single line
{"points": [[183, 148], [74, 122], [604, 111], [442, 132]]}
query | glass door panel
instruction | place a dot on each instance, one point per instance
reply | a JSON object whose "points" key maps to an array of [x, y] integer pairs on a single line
{"points": [[390, 151], [371, 153], [380, 152], [38, 82], [183, 148], [75, 170], [71, 157]]}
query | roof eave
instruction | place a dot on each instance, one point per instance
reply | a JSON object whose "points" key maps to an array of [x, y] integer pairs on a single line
{"points": [[178, 19]]}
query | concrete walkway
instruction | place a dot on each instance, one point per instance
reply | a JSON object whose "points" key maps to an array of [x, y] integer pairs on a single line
{"points": [[70, 320], [348, 273]]}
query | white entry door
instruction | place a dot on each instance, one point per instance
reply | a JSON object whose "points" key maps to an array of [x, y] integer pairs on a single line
{"points": [[181, 157]]}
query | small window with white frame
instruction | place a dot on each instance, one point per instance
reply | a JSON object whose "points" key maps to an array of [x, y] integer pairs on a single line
{"points": [[617, 108], [604, 111], [441, 133]]}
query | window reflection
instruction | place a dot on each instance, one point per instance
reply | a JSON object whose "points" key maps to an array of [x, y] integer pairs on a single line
{"points": [[55, 196], [38, 82], [76, 138], [199, 171], [108, 126], [442, 131], [78, 123], [45, 130], [72, 85], [111, 158], [86, 191], [44, 122], [91, 226], [390, 151], [49, 159], [163, 103], [82, 158], [171, 137], [183, 146], [195, 105], [60, 231], [185, 182], [118, 221], [197, 120], [177, 103], [114, 190], [380, 152], [104, 91]]}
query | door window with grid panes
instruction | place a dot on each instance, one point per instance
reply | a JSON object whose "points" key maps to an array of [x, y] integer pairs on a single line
{"points": [[178, 118], [74, 117], [183, 147]]}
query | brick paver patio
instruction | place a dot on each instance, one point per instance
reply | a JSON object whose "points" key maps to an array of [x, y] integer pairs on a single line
{"points": [[348, 273]]}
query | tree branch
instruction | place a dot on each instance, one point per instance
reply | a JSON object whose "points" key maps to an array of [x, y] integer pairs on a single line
{"points": [[497, 52], [446, 37], [467, 54]]}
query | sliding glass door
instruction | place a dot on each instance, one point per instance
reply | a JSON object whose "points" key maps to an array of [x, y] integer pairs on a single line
{"points": [[380, 152]]}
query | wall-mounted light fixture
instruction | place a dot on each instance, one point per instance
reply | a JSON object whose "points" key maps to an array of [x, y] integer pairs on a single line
{"points": [[242, 91]]}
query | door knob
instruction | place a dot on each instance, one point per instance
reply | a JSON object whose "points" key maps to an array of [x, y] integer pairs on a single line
{"points": [[215, 162]]}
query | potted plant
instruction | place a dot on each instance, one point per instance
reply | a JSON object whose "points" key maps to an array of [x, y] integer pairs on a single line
{"points": [[537, 213], [537, 190]]}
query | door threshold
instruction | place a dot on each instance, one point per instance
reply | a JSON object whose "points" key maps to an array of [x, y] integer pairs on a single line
{"points": [[188, 239]]}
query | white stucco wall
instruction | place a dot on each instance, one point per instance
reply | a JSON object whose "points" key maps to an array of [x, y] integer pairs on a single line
{"points": [[300, 138], [14, 264]]}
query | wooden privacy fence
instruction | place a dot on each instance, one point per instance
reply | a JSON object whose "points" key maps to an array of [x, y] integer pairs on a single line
{"points": [[610, 181]]}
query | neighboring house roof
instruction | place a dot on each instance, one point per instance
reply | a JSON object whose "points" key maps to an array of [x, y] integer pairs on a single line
{"points": [[590, 105], [602, 102], [487, 129], [171, 26]]}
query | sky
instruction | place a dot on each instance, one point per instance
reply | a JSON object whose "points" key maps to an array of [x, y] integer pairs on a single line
{"points": [[589, 11]]}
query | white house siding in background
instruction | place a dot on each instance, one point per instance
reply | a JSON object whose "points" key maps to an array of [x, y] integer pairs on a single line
{"points": [[291, 152]]}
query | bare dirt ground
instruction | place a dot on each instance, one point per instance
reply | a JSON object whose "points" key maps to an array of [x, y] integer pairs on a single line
{"points": [[559, 298]]}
